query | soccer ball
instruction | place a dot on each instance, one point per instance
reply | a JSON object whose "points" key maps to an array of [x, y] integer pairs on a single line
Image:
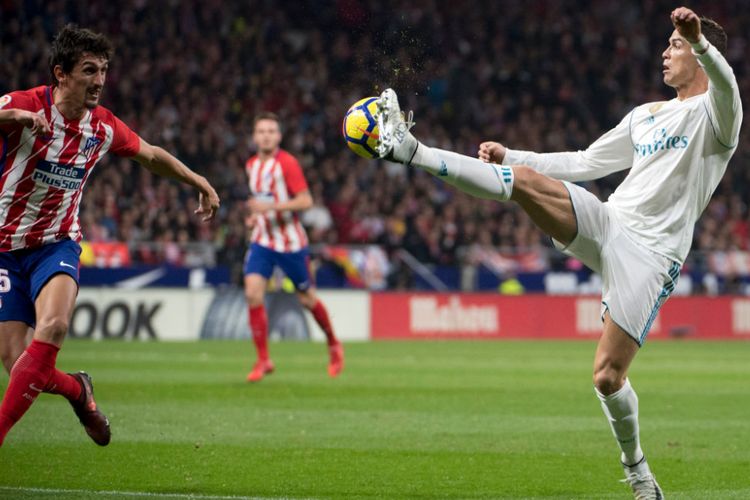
{"points": [[360, 128]]}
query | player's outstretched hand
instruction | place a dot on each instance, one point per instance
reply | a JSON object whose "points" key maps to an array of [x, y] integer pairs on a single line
{"points": [[687, 23], [37, 123], [491, 152], [208, 202]]}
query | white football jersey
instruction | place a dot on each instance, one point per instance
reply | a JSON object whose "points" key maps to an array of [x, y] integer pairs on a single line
{"points": [[677, 152]]}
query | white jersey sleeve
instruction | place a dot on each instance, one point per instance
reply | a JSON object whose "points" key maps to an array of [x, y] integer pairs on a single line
{"points": [[723, 104], [610, 153]]}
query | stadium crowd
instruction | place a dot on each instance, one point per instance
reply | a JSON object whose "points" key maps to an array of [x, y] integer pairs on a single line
{"points": [[190, 75]]}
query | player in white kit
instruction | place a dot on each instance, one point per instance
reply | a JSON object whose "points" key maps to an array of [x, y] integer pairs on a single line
{"points": [[677, 152]]}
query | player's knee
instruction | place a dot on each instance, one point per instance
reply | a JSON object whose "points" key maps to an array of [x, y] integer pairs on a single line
{"points": [[52, 329], [307, 299], [254, 298], [8, 358], [608, 380]]}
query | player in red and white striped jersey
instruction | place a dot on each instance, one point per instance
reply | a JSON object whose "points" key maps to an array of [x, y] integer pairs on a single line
{"points": [[277, 178], [43, 176], [50, 139], [279, 192]]}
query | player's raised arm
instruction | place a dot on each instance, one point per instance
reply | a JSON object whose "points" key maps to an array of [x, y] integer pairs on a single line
{"points": [[725, 107], [162, 163]]}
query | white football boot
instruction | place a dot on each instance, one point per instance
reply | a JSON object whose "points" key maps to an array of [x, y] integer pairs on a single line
{"points": [[642, 482], [395, 142]]}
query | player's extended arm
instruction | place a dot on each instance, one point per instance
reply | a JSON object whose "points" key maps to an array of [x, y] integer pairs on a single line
{"points": [[610, 153], [723, 90], [35, 122], [160, 162], [301, 201]]}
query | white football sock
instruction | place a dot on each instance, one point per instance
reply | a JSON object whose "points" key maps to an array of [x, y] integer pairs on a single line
{"points": [[471, 175], [621, 409]]}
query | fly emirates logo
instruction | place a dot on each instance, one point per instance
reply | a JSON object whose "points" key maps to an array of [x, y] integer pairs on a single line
{"points": [[661, 141], [426, 315]]}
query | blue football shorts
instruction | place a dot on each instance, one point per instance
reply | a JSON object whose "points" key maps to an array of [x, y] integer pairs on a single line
{"points": [[261, 260], [23, 274]]}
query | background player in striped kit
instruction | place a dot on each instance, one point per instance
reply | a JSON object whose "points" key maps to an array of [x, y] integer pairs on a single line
{"points": [[278, 193], [52, 136]]}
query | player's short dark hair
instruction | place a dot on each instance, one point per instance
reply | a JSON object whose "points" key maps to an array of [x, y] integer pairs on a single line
{"points": [[71, 43], [266, 115], [714, 33]]}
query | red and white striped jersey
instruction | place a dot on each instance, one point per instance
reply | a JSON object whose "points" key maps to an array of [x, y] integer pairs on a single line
{"points": [[279, 178], [42, 178]]}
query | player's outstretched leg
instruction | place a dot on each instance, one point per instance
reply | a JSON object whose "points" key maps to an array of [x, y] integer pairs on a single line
{"points": [[471, 175], [259, 329]]}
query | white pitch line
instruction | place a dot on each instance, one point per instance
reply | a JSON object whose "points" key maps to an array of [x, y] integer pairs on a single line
{"points": [[137, 494]]}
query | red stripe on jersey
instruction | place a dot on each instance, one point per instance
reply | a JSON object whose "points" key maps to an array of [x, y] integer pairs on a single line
{"points": [[26, 187], [279, 216], [10, 147], [71, 213], [49, 209], [264, 221], [254, 189], [47, 212], [16, 148]]}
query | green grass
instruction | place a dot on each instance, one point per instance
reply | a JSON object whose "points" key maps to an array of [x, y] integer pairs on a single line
{"points": [[405, 420]]}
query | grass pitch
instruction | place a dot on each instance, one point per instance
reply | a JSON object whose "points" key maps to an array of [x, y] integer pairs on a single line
{"points": [[405, 420]]}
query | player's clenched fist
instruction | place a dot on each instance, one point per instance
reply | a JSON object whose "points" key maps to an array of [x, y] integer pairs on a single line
{"points": [[687, 23], [491, 152]]}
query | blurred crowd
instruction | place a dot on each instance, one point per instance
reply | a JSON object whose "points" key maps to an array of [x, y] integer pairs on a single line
{"points": [[540, 75]]}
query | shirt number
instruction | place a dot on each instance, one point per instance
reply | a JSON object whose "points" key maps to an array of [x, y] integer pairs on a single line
{"points": [[4, 281]]}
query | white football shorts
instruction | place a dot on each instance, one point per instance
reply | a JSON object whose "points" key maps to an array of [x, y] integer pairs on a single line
{"points": [[635, 280]]}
